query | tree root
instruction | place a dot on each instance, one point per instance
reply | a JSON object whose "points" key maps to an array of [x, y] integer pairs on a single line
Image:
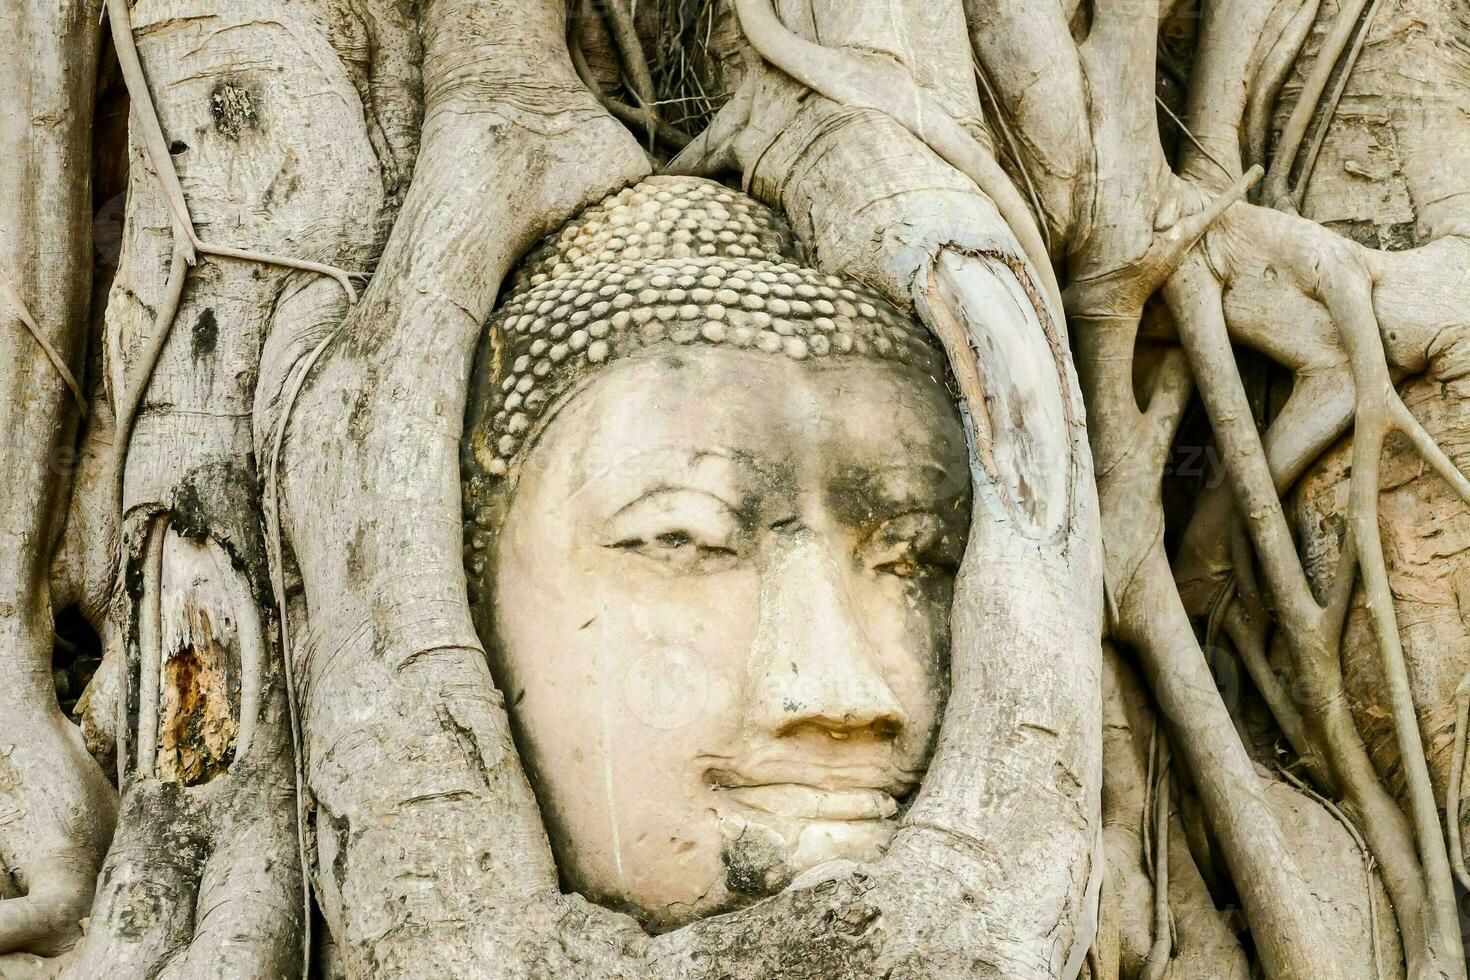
{"points": [[1381, 412], [1131, 446], [630, 49], [1313, 630], [1162, 949], [713, 150], [861, 82], [644, 116], [1113, 296], [1317, 412], [639, 78], [1108, 302], [1275, 192], [278, 585], [187, 245], [1309, 161], [1189, 135], [150, 655], [1122, 292], [187, 248], [1368, 862], [1271, 76], [1236, 608], [1018, 160], [9, 294], [1457, 774], [130, 396]]}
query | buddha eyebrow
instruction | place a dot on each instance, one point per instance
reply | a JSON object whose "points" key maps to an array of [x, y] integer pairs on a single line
{"points": [[671, 488], [853, 489], [880, 476], [742, 459], [652, 461]]}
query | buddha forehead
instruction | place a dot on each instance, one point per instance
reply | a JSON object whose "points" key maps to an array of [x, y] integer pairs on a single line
{"points": [[742, 422]]}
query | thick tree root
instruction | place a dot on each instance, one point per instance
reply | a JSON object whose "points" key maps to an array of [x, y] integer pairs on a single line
{"points": [[57, 809], [1131, 446], [1368, 863], [278, 585], [858, 81], [187, 245]]}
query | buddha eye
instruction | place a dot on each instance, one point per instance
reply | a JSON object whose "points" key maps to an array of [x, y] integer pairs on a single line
{"points": [[688, 532], [903, 568], [684, 549], [915, 545]]}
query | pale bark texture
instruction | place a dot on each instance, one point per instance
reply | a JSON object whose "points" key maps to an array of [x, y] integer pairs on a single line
{"points": [[1198, 723]]}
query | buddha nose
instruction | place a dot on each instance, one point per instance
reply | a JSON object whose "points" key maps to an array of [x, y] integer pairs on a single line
{"points": [[815, 668]]}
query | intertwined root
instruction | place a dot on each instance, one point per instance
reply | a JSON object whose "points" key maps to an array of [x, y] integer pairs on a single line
{"points": [[1345, 29], [645, 113], [1347, 293], [1342, 286], [1122, 293], [1333, 274], [187, 246]]}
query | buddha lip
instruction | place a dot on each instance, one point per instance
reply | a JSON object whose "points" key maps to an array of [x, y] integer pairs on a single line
{"points": [[813, 802]]}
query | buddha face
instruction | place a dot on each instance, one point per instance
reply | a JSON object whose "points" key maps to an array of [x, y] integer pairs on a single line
{"points": [[721, 595]]}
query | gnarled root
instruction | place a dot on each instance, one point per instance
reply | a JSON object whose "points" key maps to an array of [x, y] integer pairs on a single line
{"points": [[187, 244], [202, 878], [60, 813], [1329, 273]]}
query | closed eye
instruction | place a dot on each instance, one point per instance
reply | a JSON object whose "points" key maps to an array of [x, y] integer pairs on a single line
{"points": [[672, 541], [913, 545], [688, 530], [902, 568]]}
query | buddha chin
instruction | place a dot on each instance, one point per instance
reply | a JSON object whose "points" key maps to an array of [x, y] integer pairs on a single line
{"points": [[719, 591]]}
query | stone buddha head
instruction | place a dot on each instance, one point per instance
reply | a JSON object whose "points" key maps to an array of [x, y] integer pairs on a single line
{"points": [[715, 503]]}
